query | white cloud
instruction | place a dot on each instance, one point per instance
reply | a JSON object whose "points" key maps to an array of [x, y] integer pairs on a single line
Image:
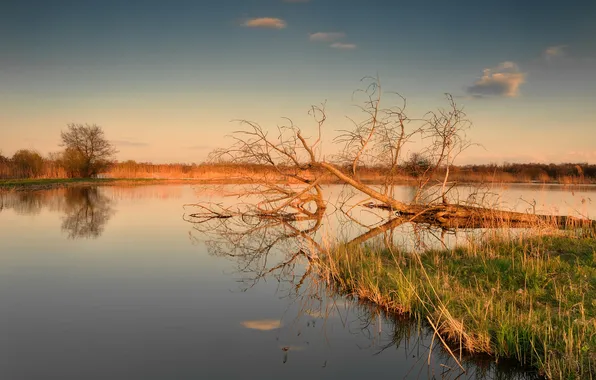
{"points": [[340, 45], [332, 37], [265, 22], [503, 80], [554, 51], [326, 36]]}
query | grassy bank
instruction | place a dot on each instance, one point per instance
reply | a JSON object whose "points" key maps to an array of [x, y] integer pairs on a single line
{"points": [[532, 299], [50, 183]]}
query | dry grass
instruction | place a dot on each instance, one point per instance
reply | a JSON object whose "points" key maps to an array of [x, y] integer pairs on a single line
{"points": [[240, 172]]}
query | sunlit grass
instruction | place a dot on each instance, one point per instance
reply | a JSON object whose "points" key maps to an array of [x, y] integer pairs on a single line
{"points": [[531, 298], [48, 183]]}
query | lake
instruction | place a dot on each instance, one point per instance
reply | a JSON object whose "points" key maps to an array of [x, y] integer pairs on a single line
{"points": [[116, 282]]}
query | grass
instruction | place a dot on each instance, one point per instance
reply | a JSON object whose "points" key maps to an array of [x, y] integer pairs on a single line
{"points": [[42, 183], [49, 183], [531, 298]]}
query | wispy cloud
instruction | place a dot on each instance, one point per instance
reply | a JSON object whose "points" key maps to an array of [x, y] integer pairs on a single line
{"points": [[129, 143], [503, 80], [263, 324], [343, 46], [554, 52], [326, 36], [332, 37], [265, 22]]}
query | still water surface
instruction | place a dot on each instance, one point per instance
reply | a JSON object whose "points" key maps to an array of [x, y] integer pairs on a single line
{"points": [[112, 282]]}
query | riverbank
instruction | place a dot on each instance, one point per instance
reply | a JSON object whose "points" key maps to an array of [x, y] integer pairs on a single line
{"points": [[54, 183], [532, 299]]}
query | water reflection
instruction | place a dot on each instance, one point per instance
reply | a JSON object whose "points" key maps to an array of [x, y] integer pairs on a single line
{"points": [[284, 248], [27, 202], [162, 308], [263, 324], [86, 212]]}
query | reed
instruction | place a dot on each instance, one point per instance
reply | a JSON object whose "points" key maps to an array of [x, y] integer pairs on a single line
{"points": [[532, 298], [521, 173]]}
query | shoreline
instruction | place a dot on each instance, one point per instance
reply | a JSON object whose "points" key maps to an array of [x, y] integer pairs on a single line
{"points": [[32, 184]]}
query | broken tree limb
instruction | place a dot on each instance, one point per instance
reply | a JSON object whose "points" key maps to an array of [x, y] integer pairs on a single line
{"points": [[463, 216], [459, 216]]}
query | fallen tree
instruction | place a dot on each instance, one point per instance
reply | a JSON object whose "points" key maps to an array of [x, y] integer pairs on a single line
{"points": [[378, 139]]}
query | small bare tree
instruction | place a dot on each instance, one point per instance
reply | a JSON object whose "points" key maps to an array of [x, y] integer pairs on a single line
{"points": [[87, 152], [378, 139], [445, 130]]}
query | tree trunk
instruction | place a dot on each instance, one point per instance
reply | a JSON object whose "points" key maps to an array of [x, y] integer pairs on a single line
{"points": [[459, 216]]}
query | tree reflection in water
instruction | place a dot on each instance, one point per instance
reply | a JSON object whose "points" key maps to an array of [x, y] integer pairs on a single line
{"points": [[285, 245], [26, 202], [86, 212]]}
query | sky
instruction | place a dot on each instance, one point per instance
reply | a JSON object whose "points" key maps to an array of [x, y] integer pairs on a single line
{"points": [[166, 80]]}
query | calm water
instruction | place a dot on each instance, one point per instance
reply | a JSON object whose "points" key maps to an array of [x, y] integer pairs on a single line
{"points": [[114, 283]]}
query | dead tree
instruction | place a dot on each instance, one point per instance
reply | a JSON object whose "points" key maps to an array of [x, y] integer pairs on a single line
{"points": [[299, 167]]}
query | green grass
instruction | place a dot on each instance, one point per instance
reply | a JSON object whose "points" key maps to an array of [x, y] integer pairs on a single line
{"points": [[532, 299], [43, 183], [46, 181]]}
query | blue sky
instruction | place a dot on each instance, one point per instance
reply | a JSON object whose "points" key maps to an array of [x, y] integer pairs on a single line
{"points": [[165, 78]]}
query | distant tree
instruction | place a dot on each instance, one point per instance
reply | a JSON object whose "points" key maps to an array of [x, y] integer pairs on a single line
{"points": [[3, 159], [87, 152], [27, 163], [4, 166], [417, 165], [71, 161]]}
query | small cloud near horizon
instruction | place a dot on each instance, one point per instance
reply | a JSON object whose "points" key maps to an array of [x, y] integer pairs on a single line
{"points": [[332, 37], [503, 80], [343, 46], [129, 143], [265, 22], [554, 52], [326, 36]]}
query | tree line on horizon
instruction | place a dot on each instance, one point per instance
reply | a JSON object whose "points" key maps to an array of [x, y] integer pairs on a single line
{"points": [[87, 154], [26, 163]]}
